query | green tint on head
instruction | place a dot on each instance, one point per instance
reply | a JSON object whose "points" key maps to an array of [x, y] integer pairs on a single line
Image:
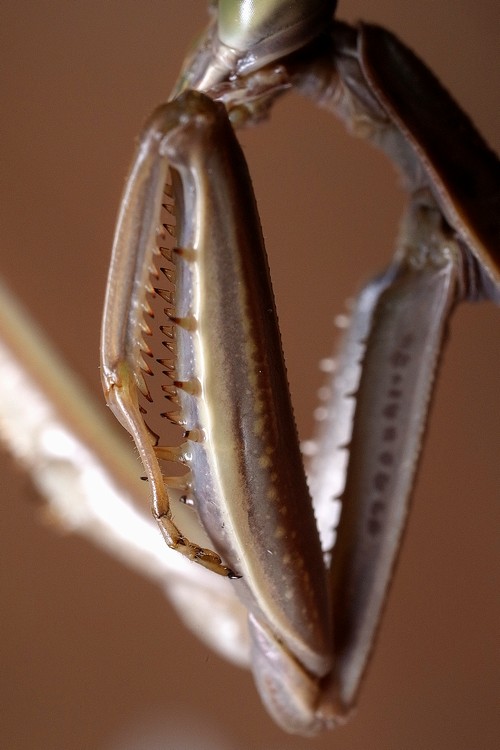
{"points": [[267, 29]]}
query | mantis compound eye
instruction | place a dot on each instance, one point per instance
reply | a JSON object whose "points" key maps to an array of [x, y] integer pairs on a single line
{"points": [[265, 30]]}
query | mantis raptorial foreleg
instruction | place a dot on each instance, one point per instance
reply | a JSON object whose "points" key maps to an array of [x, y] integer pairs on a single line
{"points": [[236, 455]]}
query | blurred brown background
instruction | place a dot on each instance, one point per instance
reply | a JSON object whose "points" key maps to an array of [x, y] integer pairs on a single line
{"points": [[91, 655]]}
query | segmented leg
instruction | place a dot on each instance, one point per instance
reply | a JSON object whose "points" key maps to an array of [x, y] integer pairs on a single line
{"points": [[124, 349]]}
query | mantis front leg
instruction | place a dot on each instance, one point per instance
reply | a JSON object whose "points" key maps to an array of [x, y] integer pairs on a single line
{"points": [[247, 480]]}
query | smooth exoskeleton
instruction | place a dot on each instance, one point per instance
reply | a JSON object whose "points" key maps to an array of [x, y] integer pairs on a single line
{"points": [[312, 623]]}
